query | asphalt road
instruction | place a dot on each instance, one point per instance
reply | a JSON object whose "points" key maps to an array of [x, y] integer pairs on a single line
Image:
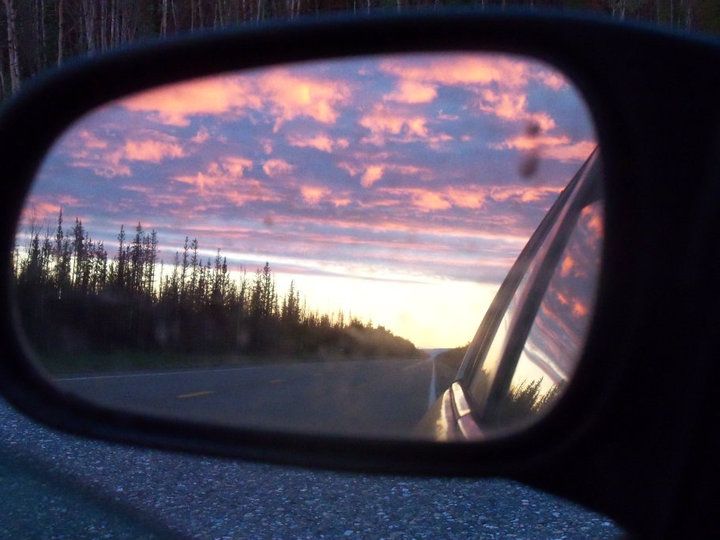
{"points": [[200, 497], [379, 397]]}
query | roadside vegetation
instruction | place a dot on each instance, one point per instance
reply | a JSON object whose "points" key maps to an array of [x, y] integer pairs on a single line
{"points": [[77, 303]]}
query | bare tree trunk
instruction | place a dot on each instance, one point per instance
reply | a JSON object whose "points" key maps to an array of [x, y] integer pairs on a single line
{"points": [[113, 22], [672, 13], [3, 89], [103, 24], [41, 35], [174, 16], [13, 58], [164, 18], [61, 31], [192, 15], [88, 15]]}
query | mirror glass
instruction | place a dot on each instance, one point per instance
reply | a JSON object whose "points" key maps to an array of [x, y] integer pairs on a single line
{"points": [[302, 247]]}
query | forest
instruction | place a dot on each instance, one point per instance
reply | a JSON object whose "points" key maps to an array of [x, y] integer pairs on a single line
{"points": [[39, 34], [74, 298]]}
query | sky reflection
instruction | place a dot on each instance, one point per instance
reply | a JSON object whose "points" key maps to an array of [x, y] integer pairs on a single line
{"points": [[398, 188]]}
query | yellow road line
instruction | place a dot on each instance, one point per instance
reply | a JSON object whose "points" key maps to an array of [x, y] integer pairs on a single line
{"points": [[195, 394]]}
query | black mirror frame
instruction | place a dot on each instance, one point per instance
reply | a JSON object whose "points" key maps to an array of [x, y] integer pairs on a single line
{"points": [[588, 447]]}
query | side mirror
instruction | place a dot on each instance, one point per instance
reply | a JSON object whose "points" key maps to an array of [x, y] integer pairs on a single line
{"points": [[286, 249]]}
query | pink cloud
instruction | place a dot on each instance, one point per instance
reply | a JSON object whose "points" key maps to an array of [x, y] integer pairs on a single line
{"points": [[280, 92], [90, 140], [277, 167], [320, 142], [412, 92], [201, 136], [291, 96], [422, 199], [374, 172], [152, 151], [462, 70], [314, 194], [227, 172], [45, 208], [513, 106], [175, 104], [371, 175], [467, 197], [551, 79], [578, 151], [382, 121], [524, 194], [550, 147]]}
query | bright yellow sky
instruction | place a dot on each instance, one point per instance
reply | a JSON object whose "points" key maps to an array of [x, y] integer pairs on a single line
{"points": [[433, 313]]}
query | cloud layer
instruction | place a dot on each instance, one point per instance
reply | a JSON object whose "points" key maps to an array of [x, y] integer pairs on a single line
{"points": [[412, 165]]}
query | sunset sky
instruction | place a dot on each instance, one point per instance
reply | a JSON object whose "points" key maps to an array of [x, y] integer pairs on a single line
{"points": [[398, 188]]}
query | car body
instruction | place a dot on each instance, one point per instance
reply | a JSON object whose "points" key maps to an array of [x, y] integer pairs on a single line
{"points": [[469, 408]]}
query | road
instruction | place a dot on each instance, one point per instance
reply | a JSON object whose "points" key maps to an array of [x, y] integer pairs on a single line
{"points": [[67, 487], [378, 397], [201, 497]]}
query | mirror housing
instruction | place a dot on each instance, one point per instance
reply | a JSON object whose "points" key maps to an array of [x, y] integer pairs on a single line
{"points": [[592, 438]]}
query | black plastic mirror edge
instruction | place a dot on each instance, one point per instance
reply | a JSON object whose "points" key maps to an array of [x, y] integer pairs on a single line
{"points": [[611, 65]]}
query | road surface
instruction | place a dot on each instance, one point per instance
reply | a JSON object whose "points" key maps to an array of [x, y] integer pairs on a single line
{"points": [[377, 397]]}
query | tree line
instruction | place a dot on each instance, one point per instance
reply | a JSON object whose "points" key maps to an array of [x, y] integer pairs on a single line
{"points": [[39, 34], [74, 297]]}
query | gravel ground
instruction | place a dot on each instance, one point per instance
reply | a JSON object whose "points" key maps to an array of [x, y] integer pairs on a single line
{"points": [[214, 498]]}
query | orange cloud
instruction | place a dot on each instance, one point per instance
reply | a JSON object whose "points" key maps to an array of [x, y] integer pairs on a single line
{"points": [[277, 167], [382, 121], [550, 146], [248, 191], [461, 70], [371, 175], [152, 151], [412, 92], [592, 215], [513, 106], [525, 194], [319, 142], [578, 151], [397, 125], [201, 136], [291, 96], [314, 194], [284, 94], [568, 263], [90, 140], [375, 171], [579, 309], [174, 104], [422, 199], [467, 198], [551, 79], [227, 172]]}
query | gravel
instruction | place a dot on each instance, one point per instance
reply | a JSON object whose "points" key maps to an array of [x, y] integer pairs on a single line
{"points": [[203, 497]]}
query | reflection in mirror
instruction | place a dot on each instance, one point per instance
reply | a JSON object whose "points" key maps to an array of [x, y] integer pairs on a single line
{"points": [[554, 343], [292, 248]]}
